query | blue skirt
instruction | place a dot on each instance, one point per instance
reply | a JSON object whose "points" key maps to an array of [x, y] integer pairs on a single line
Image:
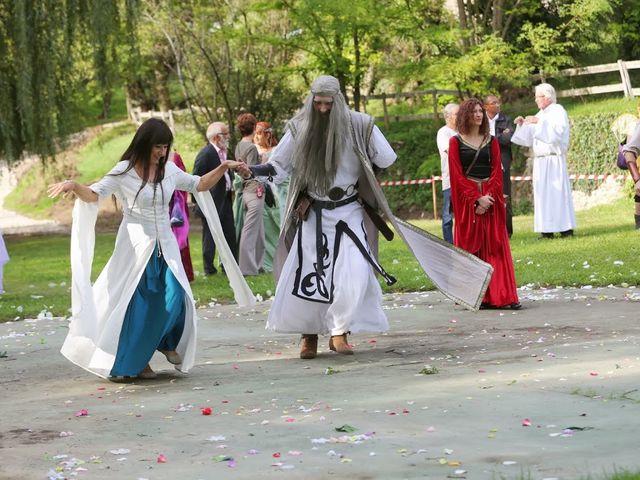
{"points": [[154, 319]]}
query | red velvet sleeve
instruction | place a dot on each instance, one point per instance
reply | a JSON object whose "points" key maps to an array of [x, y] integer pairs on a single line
{"points": [[464, 194], [464, 189], [494, 186]]}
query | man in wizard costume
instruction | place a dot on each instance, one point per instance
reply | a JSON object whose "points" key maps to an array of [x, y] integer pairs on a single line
{"points": [[326, 259]]}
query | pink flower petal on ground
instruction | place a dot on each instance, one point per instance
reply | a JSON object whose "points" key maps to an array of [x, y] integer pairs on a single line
{"points": [[276, 455], [526, 422], [206, 410], [594, 374], [82, 413], [161, 459]]}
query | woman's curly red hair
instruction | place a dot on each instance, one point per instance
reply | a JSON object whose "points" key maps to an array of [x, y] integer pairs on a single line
{"points": [[464, 120]]}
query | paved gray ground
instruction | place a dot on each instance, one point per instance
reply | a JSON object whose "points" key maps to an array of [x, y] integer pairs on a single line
{"points": [[569, 359]]}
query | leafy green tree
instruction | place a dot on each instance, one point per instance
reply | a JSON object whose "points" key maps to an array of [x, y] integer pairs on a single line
{"points": [[39, 67]]}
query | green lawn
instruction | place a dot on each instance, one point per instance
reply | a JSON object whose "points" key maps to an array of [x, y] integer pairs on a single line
{"points": [[603, 252]]}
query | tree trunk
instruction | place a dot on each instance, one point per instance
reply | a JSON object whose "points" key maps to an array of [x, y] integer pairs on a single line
{"points": [[464, 25], [497, 18], [161, 76], [358, 74]]}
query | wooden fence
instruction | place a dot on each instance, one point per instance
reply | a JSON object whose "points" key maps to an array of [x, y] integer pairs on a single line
{"points": [[620, 66], [138, 116], [403, 95]]}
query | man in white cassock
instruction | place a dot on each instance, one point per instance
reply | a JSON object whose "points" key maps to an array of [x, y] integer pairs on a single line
{"points": [[326, 259], [547, 133], [450, 112]]}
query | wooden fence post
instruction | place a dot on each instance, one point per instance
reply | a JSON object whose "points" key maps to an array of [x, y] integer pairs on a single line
{"points": [[434, 97], [626, 81], [435, 197], [386, 113]]}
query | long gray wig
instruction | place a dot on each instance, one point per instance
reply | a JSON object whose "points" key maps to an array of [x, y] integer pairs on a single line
{"points": [[319, 146]]}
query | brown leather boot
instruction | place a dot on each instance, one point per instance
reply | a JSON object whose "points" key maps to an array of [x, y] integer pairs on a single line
{"points": [[339, 344], [309, 347]]}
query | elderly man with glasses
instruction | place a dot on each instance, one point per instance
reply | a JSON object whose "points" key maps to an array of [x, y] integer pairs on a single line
{"points": [[208, 159], [547, 134]]}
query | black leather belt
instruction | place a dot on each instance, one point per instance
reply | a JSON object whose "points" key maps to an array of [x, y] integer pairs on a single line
{"points": [[330, 205], [318, 206]]}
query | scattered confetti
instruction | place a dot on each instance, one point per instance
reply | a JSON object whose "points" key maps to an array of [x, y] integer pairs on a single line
{"points": [[120, 451]]}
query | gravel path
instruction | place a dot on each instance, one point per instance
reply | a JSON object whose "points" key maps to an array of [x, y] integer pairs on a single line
{"points": [[12, 223]]}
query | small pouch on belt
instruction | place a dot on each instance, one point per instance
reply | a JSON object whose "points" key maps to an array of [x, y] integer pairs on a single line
{"points": [[301, 210]]}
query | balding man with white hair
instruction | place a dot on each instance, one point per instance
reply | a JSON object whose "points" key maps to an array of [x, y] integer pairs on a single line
{"points": [[450, 111], [208, 159], [547, 133]]}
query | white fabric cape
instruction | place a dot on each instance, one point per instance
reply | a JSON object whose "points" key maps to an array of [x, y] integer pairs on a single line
{"points": [[92, 341]]}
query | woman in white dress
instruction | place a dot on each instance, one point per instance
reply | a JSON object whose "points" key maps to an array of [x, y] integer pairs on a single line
{"points": [[141, 301]]}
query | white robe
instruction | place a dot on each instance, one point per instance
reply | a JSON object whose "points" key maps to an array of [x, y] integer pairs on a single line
{"points": [[552, 200], [356, 303], [98, 311]]}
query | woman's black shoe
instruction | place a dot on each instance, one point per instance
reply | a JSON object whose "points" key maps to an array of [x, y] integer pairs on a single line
{"points": [[515, 306], [545, 236]]}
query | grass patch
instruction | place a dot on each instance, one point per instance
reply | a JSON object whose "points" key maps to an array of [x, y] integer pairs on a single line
{"points": [[102, 153], [618, 396], [603, 252]]}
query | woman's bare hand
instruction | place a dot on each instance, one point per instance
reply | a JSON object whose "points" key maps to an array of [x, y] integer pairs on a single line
{"points": [[63, 188], [243, 169], [232, 164], [485, 201]]}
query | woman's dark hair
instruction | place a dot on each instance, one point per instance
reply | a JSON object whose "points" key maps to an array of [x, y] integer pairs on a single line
{"points": [[152, 132], [464, 119], [246, 123]]}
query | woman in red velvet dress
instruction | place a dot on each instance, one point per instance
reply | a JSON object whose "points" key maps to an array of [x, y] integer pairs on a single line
{"points": [[478, 203]]}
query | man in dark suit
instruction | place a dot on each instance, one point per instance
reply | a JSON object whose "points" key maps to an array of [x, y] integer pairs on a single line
{"points": [[501, 127], [209, 158]]}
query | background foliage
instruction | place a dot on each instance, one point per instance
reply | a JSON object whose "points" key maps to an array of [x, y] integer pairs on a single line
{"points": [[63, 60]]}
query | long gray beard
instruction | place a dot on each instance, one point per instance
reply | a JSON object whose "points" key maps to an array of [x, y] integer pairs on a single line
{"points": [[319, 148]]}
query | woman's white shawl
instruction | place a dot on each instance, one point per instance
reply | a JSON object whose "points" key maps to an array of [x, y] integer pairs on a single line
{"points": [[98, 311]]}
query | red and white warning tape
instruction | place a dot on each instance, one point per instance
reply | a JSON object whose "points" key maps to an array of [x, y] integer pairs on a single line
{"points": [[527, 178]]}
